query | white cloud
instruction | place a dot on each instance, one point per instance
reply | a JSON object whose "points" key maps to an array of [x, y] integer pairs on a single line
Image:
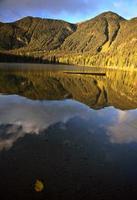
{"points": [[117, 4]]}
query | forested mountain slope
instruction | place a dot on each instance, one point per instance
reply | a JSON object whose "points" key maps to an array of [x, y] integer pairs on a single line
{"points": [[106, 40]]}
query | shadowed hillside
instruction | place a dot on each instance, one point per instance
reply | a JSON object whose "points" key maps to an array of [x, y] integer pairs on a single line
{"points": [[34, 34]]}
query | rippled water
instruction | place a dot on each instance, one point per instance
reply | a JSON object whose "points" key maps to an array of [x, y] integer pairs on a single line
{"points": [[77, 134]]}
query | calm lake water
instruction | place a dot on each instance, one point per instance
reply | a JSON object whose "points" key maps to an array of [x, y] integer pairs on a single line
{"points": [[75, 133]]}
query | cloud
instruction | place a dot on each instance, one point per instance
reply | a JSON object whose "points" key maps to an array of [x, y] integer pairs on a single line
{"points": [[12, 9], [70, 10], [125, 8], [51, 5], [117, 4]]}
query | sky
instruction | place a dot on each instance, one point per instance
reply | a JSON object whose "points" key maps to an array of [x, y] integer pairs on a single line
{"points": [[68, 10]]}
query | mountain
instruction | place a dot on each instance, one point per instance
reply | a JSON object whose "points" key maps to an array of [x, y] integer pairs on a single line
{"points": [[34, 34], [106, 40], [93, 34]]}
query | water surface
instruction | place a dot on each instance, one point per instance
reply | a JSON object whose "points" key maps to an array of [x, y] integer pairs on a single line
{"points": [[75, 133]]}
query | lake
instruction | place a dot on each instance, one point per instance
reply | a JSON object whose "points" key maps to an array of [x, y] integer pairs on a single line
{"points": [[76, 134]]}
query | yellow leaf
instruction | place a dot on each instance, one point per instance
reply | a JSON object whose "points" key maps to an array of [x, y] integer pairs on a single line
{"points": [[39, 186]]}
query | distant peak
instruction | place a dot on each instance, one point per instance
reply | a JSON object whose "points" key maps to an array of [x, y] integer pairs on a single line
{"points": [[110, 14], [27, 18]]}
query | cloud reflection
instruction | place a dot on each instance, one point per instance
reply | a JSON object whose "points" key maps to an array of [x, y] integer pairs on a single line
{"points": [[20, 116], [124, 130], [23, 116]]}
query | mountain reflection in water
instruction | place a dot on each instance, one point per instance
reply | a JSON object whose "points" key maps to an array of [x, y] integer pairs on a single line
{"points": [[117, 88], [77, 134]]}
